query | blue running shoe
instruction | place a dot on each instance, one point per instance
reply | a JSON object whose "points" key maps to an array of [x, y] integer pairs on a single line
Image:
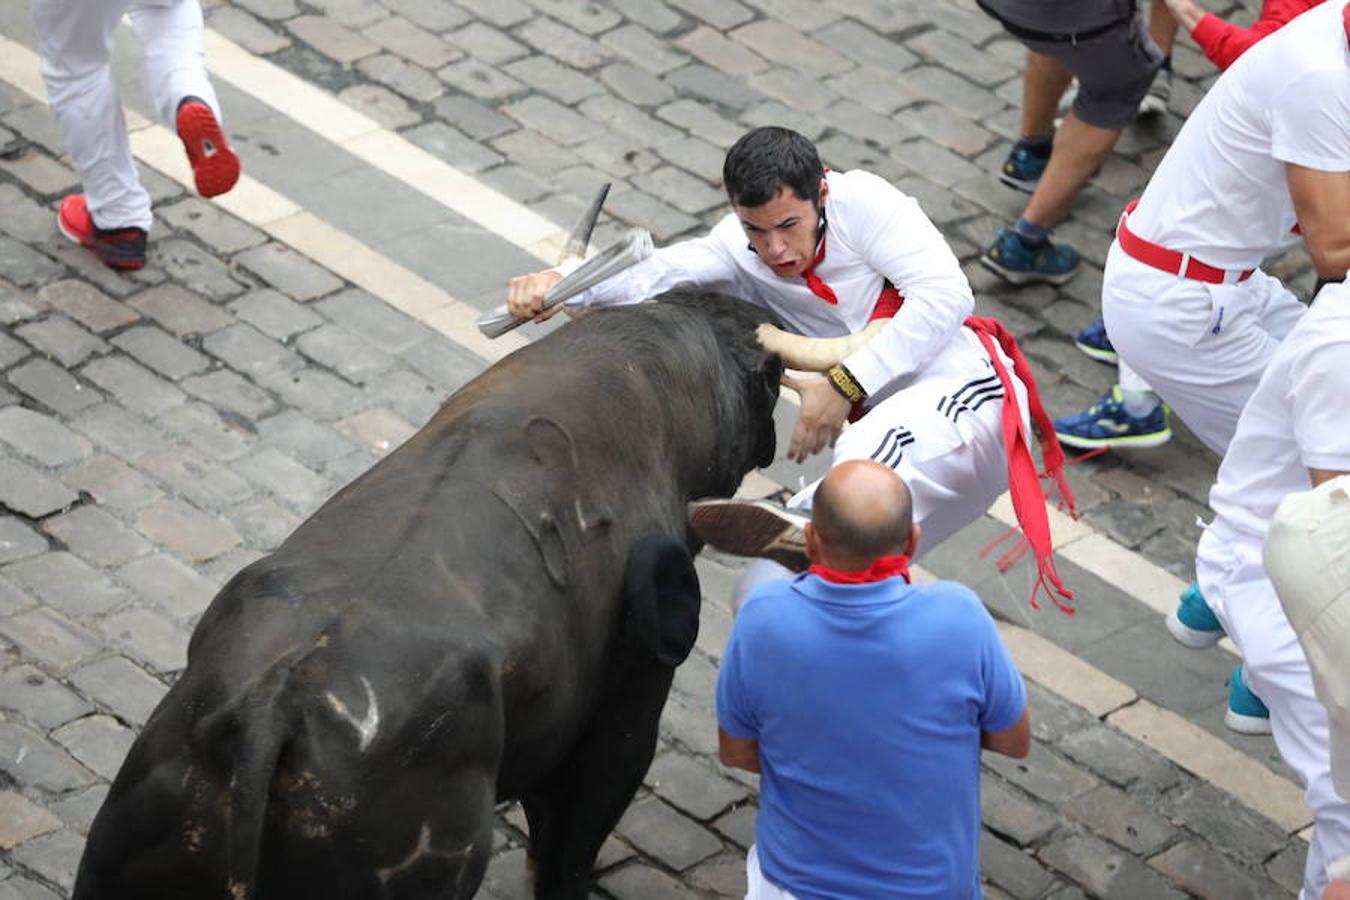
{"points": [[1096, 343], [1023, 167], [1246, 714], [1193, 623], [1015, 262], [1107, 424]]}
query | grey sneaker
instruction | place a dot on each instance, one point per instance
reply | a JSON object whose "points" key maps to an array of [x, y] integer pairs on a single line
{"points": [[1158, 96], [752, 528]]}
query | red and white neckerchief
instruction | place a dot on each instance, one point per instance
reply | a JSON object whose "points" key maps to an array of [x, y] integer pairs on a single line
{"points": [[882, 568], [814, 281]]}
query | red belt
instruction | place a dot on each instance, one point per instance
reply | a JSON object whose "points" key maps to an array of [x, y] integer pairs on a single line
{"points": [[1170, 261]]}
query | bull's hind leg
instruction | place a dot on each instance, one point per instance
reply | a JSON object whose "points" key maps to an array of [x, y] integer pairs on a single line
{"points": [[572, 812]]}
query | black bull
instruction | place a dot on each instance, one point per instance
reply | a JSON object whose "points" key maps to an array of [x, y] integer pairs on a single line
{"points": [[495, 610]]}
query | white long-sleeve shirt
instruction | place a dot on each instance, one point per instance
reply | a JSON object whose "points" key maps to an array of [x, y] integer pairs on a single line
{"points": [[874, 234]]}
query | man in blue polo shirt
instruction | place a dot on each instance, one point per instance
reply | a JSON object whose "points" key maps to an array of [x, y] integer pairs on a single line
{"points": [[864, 702]]}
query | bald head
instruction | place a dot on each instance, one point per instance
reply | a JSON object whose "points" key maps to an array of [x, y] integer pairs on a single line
{"points": [[861, 511]]}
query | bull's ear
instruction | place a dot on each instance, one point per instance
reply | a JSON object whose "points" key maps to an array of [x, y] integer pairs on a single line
{"points": [[661, 599], [766, 438]]}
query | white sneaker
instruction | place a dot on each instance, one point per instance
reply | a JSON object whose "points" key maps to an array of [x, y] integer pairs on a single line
{"points": [[752, 528], [1158, 96]]}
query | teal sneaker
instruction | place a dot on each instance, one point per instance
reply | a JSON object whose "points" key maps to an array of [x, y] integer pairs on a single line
{"points": [[1193, 623], [1016, 262], [1107, 423], [1246, 714], [1024, 166]]}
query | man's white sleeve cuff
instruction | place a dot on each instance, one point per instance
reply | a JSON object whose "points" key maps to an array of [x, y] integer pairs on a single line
{"points": [[869, 370], [1340, 869]]}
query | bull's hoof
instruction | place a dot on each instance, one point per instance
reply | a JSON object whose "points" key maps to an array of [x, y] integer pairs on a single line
{"points": [[752, 528]]}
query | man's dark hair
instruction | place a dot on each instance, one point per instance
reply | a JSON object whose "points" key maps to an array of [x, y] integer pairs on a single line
{"points": [[766, 160], [865, 536]]}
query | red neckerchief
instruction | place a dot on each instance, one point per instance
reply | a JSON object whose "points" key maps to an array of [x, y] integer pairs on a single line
{"points": [[1024, 483], [814, 282], [884, 567]]}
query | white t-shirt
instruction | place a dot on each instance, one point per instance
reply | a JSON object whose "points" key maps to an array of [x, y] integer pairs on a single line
{"points": [[874, 234], [1295, 421], [1220, 193]]}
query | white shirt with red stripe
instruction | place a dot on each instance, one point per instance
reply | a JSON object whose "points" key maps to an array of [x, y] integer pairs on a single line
{"points": [[1221, 194], [875, 234]]}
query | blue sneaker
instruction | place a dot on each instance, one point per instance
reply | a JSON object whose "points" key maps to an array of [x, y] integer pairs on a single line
{"points": [[1193, 623], [1015, 262], [1107, 424], [1096, 343], [1246, 714], [1023, 167]]}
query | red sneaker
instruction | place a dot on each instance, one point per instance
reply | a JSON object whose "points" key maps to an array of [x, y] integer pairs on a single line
{"points": [[215, 168], [118, 248]]}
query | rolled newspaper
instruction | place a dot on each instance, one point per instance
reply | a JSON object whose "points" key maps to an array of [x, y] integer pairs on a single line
{"points": [[631, 249]]}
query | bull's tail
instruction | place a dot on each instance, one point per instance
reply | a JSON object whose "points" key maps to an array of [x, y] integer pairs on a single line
{"points": [[253, 730]]}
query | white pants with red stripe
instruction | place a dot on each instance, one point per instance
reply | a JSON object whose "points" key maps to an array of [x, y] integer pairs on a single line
{"points": [[1234, 583], [75, 42], [943, 435], [757, 887], [1202, 347]]}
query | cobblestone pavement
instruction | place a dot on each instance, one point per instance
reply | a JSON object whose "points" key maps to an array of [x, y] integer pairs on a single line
{"points": [[160, 430]]}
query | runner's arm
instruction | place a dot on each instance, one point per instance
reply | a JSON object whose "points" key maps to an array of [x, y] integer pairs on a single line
{"points": [[739, 753], [1014, 742], [1322, 204]]}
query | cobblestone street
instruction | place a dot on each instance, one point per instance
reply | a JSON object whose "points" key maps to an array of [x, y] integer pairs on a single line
{"points": [[160, 430]]}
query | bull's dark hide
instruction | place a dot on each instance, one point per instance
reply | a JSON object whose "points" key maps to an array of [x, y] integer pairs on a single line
{"points": [[492, 611]]}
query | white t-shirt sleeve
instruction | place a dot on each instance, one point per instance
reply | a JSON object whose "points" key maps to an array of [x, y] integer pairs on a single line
{"points": [[1310, 122], [1319, 384], [894, 236], [701, 261]]}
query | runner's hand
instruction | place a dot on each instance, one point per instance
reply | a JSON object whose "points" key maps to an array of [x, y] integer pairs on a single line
{"points": [[824, 412], [525, 296]]}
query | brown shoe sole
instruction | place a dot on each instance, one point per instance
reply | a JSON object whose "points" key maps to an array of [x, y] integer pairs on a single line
{"points": [[748, 529]]}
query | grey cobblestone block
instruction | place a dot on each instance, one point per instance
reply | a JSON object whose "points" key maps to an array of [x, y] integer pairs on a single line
{"points": [[87, 305], [149, 637], [95, 536], [135, 386], [698, 119], [1016, 872], [588, 18], [642, 209], [506, 877], [263, 522], [402, 76], [331, 39], [274, 314], [66, 583], [212, 225], [168, 583], [406, 394], [41, 437], [197, 270], [289, 272], [315, 392], [502, 13], [618, 155], [692, 786], [567, 46], [54, 856], [31, 759], [207, 431], [865, 46], [374, 320], [179, 310], [546, 75], [1123, 522], [695, 156], [24, 489], [720, 877], [843, 153], [378, 430], [882, 15], [1204, 872], [21, 820], [637, 45], [187, 531], [48, 638], [638, 881], [40, 172], [787, 46], [738, 826], [550, 118], [24, 266], [705, 83], [380, 104], [1225, 822], [231, 393], [21, 888], [662, 833], [1286, 867], [450, 145], [688, 193], [24, 219], [248, 351], [412, 42], [18, 541], [536, 153], [156, 349], [480, 80], [1118, 759], [126, 690], [283, 476], [854, 118], [696, 682], [61, 339], [311, 442], [627, 119], [78, 810], [690, 727], [37, 697], [947, 128], [187, 474], [1054, 717], [1122, 819], [771, 112], [16, 305], [954, 51], [443, 363], [491, 45], [246, 31], [348, 468], [99, 742], [938, 165], [1043, 774], [473, 118], [119, 432], [111, 482], [720, 52], [723, 15], [1010, 815], [1106, 872], [941, 86], [271, 9], [12, 598]]}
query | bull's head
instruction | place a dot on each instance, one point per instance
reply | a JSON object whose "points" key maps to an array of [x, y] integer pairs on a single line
{"points": [[813, 354]]}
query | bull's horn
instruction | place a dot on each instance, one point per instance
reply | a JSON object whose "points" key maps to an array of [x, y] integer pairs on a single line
{"points": [[814, 354], [580, 238]]}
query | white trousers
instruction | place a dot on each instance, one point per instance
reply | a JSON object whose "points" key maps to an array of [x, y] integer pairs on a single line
{"points": [[75, 43], [1234, 583], [1201, 347], [757, 887], [944, 436]]}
